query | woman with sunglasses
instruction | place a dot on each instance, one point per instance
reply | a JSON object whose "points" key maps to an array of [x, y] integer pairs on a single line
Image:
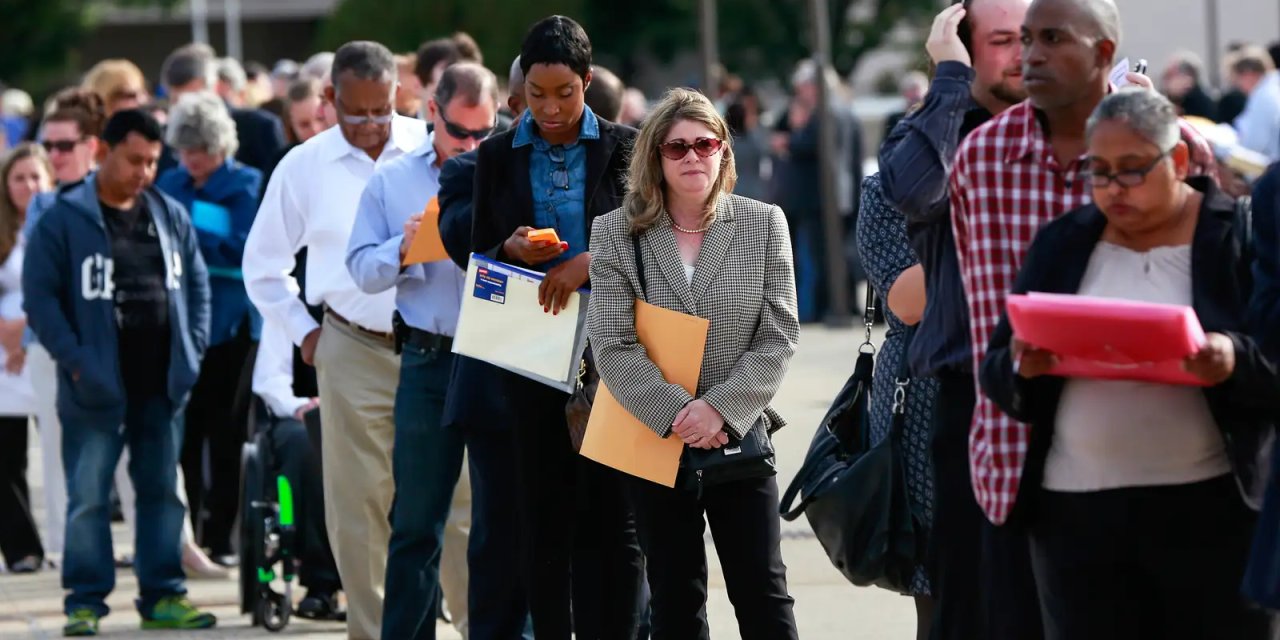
{"points": [[726, 258], [24, 172], [1139, 529]]}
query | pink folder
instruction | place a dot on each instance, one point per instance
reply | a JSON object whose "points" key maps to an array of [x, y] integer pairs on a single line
{"points": [[1109, 338]]}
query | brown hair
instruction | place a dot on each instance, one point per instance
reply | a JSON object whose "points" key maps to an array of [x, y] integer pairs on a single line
{"points": [[645, 202], [10, 218], [81, 106]]}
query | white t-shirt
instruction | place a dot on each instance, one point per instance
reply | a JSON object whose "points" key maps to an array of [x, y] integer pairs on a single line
{"points": [[1116, 433], [16, 396]]}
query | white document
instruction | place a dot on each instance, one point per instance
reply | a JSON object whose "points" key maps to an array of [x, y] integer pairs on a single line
{"points": [[1119, 72], [502, 323]]}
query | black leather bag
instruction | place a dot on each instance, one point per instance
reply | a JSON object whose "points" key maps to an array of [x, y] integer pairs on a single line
{"points": [[853, 493]]}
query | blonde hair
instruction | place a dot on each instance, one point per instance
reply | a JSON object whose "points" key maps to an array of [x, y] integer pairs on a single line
{"points": [[645, 202], [111, 77]]}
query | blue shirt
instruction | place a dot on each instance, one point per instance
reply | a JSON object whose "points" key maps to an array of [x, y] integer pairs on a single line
{"points": [[914, 162], [428, 296], [558, 175], [1259, 124]]}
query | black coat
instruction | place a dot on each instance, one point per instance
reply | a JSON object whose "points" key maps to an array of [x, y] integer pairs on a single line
{"points": [[1221, 285], [261, 138]]}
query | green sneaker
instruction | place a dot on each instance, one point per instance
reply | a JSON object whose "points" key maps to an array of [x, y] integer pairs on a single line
{"points": [[177, 612], [81, 623]]}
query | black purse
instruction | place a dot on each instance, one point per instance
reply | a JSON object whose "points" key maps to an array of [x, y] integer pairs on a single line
{"points": [[853, 493]]}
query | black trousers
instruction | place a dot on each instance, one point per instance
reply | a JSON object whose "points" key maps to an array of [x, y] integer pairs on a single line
{"points": [[217, 419], [300, 462], [747, 532], [1151, 562], [580, 554], [18, 535], [980, 573]]}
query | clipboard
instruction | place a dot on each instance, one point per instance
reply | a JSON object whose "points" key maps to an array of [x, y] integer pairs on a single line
{"points": [[501, 323], [1108, 338], [427, 245], [676, 342]]}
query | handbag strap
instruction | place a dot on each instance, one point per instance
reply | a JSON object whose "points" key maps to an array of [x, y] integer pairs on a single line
{"points": [[644, 286], [900, 384]]}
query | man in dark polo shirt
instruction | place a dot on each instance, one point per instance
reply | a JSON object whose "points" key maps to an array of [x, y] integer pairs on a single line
{"points": [[117, 292]]}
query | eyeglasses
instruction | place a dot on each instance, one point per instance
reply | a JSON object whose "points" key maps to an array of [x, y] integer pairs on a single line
{"points": [[461, 133], [62, 146], [362, 120], [559, 172], [1128, 177], [678, 149]]}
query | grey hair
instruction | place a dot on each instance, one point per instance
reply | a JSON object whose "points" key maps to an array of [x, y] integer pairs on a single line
{"points": [[467, 80], [1189, 63], [1148, 113], [231, 72], [366, 60], [200, 120], [806, 72], [318, 65], [187, 64]]}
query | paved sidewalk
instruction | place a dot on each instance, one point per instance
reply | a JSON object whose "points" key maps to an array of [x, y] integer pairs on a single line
{"points": [[827, 607]]}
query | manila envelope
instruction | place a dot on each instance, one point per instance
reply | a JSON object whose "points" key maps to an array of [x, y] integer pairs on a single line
{"points": [[427, 246], [676, 342]]}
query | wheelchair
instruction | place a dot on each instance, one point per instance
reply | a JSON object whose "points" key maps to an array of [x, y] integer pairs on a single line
{"points": [[269, 542]]}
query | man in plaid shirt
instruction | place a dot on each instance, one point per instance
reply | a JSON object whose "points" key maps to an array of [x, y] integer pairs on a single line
{"points": [[1019, 171]]}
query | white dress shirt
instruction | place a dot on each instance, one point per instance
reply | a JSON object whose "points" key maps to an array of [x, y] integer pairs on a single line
{"points": [[311, 202], [273, 372]]}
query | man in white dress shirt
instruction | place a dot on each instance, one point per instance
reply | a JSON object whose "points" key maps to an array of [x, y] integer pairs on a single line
{"points": [[311, 202]]}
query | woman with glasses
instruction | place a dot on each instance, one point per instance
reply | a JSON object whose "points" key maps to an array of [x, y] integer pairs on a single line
{"points": [[222, 198], [24, 172], [726, 258], [561, 166], [1139, 527]]}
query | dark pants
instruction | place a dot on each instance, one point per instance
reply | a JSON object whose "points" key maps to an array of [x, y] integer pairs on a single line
{"points": [[18, 535], [747, 532], [1150, 562], [300, 463], [580, 548], [90, 452], [217, 418]]}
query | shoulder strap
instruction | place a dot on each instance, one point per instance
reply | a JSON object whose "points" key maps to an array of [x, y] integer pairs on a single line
{"points": [[644, 287], [1244, 226]]}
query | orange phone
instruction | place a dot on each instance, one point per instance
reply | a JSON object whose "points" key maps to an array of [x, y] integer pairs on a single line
{"points": [[547, 236]]}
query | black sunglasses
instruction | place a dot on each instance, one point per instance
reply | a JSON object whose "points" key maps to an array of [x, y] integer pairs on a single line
{"points": [[677, 149], [64, 146], [461, 133]]}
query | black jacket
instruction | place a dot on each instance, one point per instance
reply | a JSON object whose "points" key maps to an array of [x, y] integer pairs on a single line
{"points": [[1221, 284], [261, 138]]}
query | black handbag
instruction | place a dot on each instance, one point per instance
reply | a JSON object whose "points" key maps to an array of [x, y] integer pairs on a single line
{"points": [[853, 493]]}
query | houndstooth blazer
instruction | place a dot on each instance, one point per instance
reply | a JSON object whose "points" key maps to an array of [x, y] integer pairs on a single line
{"points": [[743, 282]]}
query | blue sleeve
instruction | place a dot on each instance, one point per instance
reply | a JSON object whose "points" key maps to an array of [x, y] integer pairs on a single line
{"points": [[804, 143], [916, 157], [35, 210], [199, 313], [456, 179], [882, 240], [1264, 306], [46, 288], [373, 251]]}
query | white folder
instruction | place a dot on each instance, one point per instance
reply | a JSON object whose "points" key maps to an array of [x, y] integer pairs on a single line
{"points": [[502, 323]]}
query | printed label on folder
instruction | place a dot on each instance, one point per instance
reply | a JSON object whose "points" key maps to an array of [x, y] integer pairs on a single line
{"points": [[491, 285]]}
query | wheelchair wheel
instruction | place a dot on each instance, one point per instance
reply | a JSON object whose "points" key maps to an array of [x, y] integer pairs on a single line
{"points": [[252, 532], [274, 612]]}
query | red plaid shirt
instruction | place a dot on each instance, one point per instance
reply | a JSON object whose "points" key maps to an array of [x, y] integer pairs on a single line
{"points": [[1005, 184]]}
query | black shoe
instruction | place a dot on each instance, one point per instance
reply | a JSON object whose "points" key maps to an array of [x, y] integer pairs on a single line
{"points": [[29, 564], [227, 560], [319, 605], [124, 562]]}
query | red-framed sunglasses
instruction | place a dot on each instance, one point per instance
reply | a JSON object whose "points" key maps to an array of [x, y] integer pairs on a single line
{"points": [[678, 149]]}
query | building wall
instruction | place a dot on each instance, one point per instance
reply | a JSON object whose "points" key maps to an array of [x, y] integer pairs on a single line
{"points": [[1155, 29]]}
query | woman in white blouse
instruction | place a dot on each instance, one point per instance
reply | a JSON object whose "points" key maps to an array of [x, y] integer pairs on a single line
{"points": [[24, 172], [1138, 526]]}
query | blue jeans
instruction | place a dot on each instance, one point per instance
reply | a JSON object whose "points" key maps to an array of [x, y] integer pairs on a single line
{"points": [[426, 461], [90, 452]]}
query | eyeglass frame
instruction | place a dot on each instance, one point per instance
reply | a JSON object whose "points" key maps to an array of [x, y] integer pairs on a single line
{"points": [[561, 170], [460, 133], [62, 146], [356, 121], [1139, 175], [691, 146]]}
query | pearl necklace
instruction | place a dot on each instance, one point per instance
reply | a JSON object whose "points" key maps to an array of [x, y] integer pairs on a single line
{"points": [[692, 232]]}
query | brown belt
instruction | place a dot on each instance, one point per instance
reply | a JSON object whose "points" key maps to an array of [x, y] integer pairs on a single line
{"points": [[385, 336]]}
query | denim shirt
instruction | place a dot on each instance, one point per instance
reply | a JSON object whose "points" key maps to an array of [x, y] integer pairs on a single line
{"points": [[558, 175], [914, 162]]}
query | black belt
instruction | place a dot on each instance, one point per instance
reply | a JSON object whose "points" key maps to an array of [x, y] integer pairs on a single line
{"points": [[427, 340]]}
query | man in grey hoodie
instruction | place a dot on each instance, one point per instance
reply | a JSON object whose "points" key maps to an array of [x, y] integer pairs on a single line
{"points": [[117, 292]]}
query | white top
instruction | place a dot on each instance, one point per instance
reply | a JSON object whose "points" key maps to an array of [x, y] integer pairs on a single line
{"points": [[273, 372], [311, 202], [16, 395], [1113, 433], [688, 272]]}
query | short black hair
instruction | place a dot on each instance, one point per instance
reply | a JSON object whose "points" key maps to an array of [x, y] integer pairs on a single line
{"points": [[432, 53], [604, 94], [1274, 51], [128, 121], [557, 40]]}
